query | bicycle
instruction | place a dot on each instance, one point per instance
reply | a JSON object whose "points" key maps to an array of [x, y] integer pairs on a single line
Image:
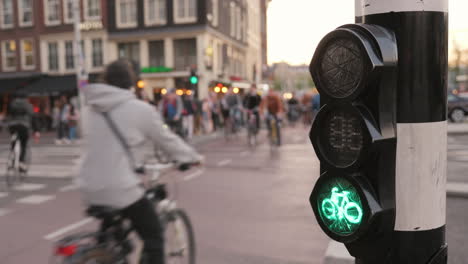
{"points": [[252, 129], [232, 123], [111, 245], [274, 131], [334, 209], [13, 171]]}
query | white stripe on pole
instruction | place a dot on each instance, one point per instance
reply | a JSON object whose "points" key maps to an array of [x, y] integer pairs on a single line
{"points": [[421, 176], [369, 7]]}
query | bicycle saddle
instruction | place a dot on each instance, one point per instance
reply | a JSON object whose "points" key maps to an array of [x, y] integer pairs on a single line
{"points": [[102, 212]]}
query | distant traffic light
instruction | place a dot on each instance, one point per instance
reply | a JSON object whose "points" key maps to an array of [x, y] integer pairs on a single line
{"points": [[193, 79], [354, 137]]}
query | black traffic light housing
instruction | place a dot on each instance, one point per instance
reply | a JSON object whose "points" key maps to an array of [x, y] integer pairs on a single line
{"points": [[354, 137]]}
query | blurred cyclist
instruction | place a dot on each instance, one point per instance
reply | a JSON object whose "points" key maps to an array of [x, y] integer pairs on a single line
{"points": [[231, 106], [273, 105], [252, 102], [109, 174], [19, 120]]}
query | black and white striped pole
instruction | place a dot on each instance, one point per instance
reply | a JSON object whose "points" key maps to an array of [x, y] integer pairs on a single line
{"points": [[421, 30], [381, 135]]}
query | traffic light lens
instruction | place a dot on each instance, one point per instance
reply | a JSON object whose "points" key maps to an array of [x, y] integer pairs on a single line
{"points": [[193, 79], [342, 137], [342, 68], [340, 206]]}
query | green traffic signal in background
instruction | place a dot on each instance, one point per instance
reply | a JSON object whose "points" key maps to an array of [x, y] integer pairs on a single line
{"points": [[193, 79]]}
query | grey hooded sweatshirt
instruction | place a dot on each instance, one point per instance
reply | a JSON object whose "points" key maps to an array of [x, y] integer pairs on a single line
{"points": [[106, 176]]}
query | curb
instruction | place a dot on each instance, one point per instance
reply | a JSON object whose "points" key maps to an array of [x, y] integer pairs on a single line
{"points": [[337, 254], [457, 189]]}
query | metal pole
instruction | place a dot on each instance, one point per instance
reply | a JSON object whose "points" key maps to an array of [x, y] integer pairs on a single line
{"points": [[80, 66], [421, 29]]}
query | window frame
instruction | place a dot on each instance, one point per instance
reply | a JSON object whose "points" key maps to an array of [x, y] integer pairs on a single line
{"points": [[232, 16], [186, 19], [2, 21], [136, 44], [85, 11], [49, 56], [118, 19], [163, 58], [73, 64], [157, 20], [5, 58], [47, 11], [93, 54], [66, 19], [23, 55], [21, 14]]}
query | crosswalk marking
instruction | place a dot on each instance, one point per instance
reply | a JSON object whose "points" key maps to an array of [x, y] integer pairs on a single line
{"points": [[224, 162], [3, 194], [35, 199], [29, 187], [70, 187]]}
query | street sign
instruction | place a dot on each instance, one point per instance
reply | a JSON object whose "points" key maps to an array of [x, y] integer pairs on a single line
{"points": [[354, 137]]}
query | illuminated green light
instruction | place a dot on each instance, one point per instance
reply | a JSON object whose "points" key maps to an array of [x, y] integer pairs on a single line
{"points": [[340, 206], [193, 79]]}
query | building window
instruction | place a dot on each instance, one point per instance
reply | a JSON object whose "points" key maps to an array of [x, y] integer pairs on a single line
{"points": [[52, 12], [9, 55], [92, 9], [185, 11], [155, 12], [25, 12], [27, 54], [68, 11], [7, 13], [97, 53], [69, 55], [215, 12], [130, 50], [233, 19], [156, 53], [126, 13], [53, 56], [185, 53]]}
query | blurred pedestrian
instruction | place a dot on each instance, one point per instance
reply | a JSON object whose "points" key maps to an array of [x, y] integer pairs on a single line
{"points": [[207, 122], [72, 123], [171, 109], [62, 126], [188, 120], [215, 111]]}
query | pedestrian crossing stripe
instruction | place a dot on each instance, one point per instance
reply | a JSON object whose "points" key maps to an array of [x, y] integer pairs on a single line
{"points": [[35, 199], [4, 211], [3, 194], [29, 187]]}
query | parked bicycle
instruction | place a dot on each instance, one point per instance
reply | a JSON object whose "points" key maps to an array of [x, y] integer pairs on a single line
{"points": [[111, 244]]}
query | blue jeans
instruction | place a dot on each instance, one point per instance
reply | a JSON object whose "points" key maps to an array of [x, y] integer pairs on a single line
{"points": [[72, 133]]}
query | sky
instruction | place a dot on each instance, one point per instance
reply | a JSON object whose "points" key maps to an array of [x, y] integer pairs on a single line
{"points": [[295, 27]]}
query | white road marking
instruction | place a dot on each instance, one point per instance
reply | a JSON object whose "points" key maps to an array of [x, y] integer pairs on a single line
{"points": [[66, 229], [193, 175], [70, 187], [244, 153], [3, 194], [29, 187], [35, 199], [224, 162], [4, 211]]}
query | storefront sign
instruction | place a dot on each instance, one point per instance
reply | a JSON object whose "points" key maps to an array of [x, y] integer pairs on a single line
{"points": [[156, 69], [91, 25]]}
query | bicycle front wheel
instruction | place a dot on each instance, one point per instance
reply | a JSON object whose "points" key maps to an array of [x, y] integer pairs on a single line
{"points": [[179, 239]]}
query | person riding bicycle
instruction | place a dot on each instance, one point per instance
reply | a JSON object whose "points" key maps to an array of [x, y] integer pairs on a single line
{"points": [[110, 172], [252, 102], [294, 110], [231, 105], [19, 120], [274, 108]]}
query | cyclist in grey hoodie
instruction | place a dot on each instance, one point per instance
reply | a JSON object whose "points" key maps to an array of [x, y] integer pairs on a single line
{"points": [[107, 176]]}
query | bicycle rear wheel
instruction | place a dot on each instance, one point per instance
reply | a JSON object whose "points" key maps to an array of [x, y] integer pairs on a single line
{"points": [[12, 171], [179, 239]]}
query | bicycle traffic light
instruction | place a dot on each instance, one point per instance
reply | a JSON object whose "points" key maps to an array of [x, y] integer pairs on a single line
{"points": [[354, 68]]}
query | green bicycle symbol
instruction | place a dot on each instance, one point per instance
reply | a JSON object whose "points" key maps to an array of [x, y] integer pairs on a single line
{"points": [[338, 207]]}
